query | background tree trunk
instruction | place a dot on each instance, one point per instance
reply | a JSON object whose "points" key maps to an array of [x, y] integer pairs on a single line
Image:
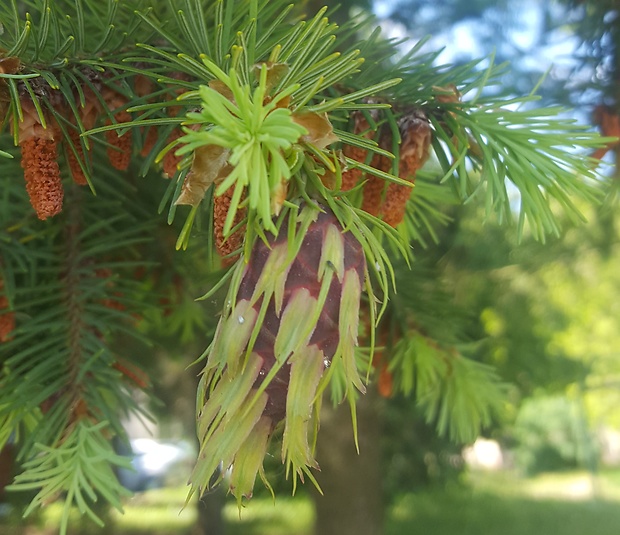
{"points": [[210, 520], [352, 503], [177, 387]]}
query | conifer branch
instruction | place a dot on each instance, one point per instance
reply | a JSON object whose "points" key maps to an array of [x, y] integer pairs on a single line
{"points": [[299, 143]]}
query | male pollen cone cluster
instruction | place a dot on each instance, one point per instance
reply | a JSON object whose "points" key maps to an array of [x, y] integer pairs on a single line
{"points": [[389, 201], [295, 314], [39, 136]]}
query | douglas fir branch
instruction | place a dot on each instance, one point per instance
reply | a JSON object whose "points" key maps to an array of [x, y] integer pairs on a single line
{"points": [[282, 152]]}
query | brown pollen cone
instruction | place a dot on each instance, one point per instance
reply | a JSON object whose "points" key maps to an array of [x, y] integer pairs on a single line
{"points": [[91, 110], [173, 111], [8, 65], [119, 153], [351, 177], [149, 142], [7, 326], [374, 187], [608, 121], [143, 86], [42, 175], [133, 373], [110, 302], [73, 158], [171, 161], [415, 134], [41, 171], [7, 319], [221, 205], [380, 360], [89, 113]]}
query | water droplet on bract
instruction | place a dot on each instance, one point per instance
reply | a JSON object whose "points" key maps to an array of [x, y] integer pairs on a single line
{"points": [[241, 319], [327, 363], [378, 266]]}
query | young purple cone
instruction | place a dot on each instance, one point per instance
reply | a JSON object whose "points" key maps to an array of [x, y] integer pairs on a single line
{"points": [[293, 313]]}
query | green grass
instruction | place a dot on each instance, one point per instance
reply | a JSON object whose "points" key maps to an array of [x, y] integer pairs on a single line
{"points": [[497, 504], [287, 516], [161, 512], [488, 504]]}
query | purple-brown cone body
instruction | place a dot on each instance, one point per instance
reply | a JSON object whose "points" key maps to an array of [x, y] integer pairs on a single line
{"points": [[303, 274]]}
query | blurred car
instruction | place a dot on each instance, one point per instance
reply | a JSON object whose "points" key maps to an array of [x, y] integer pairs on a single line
{"points": [[155, 463]]}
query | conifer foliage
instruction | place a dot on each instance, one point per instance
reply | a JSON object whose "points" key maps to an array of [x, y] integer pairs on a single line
{"points": [[291, 147]]}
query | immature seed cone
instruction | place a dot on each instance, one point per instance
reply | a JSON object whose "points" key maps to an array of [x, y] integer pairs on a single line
{"points": [[293, 316], [41, 171]]}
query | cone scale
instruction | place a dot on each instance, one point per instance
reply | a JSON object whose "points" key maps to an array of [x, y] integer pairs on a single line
{"points": [[293, 313]]}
